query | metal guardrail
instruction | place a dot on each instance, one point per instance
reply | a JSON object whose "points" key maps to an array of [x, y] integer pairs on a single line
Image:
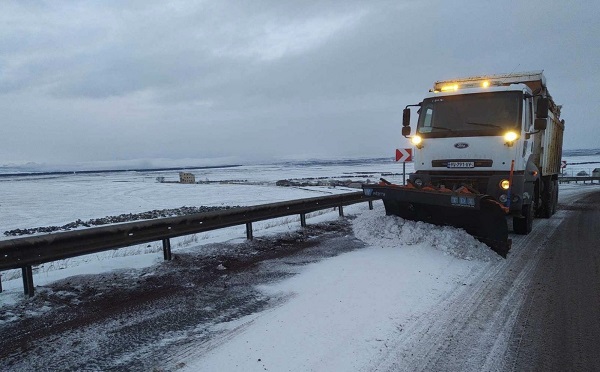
{"points": [[578, 179], [28, 251]]}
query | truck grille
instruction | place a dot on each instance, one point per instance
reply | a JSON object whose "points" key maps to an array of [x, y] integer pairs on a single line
{"points": [[479, 182]]}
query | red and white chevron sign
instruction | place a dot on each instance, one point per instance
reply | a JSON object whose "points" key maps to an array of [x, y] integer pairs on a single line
{"points": [[403, 155]]}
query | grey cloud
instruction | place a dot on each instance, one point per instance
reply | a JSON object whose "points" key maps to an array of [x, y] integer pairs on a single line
{"points": [[106, 80]]}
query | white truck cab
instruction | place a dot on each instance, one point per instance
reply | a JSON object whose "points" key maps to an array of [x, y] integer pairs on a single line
{"points": [[499, 135]]}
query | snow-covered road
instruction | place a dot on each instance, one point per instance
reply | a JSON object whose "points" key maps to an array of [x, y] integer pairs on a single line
{"points": [[432, 300]]}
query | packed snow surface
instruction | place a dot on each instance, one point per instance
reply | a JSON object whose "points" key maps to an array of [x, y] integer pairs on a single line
{"points": [[343, 311]]}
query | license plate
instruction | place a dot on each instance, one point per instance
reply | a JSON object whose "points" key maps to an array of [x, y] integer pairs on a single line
{"points": [[462, 201], [461, 164]]}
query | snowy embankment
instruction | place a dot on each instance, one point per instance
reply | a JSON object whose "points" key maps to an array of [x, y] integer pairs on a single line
{"points": [[344, 311]]}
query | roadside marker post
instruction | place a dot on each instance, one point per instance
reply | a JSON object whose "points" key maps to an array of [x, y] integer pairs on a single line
{"points": [[403, 155]]}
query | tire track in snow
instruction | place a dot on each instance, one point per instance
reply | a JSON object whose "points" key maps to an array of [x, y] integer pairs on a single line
{"points": [[470, 328]]}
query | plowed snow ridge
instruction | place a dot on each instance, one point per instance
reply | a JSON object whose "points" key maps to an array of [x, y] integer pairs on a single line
{"points": [[379, 230]]}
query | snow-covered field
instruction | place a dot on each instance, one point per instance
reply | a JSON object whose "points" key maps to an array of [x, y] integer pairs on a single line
{"points": [[55, 200], [27, 202], [585, 161], [342, 313]]}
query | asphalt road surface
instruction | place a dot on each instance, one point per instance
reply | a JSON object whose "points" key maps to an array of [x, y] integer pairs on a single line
{"points": [[559, 327], [538, 310]]}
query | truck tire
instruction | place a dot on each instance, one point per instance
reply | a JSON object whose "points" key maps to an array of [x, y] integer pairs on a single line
{"points": [[524, 224], [547, 198], [555, 197], [538, 205]]}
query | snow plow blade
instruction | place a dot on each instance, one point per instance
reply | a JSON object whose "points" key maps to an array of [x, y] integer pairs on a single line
{"points": [[478, 214]]}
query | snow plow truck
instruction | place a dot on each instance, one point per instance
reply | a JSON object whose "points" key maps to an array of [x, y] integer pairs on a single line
{"points": [[486, 148]]}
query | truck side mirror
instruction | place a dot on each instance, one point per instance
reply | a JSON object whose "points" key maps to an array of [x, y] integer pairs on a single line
{"points": [[405, 118], [540, 124], [406, 131], [543, 105]]}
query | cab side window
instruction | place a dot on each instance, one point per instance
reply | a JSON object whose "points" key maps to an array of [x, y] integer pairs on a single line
{"points": [[427, 120]]}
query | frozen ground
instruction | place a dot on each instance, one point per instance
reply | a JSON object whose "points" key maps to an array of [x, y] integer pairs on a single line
{"points": [[576, 164], [376, 307], [27, 202], [49, 200]]}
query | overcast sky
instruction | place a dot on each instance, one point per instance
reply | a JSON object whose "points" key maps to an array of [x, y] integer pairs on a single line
{"points": [[85, 81]]}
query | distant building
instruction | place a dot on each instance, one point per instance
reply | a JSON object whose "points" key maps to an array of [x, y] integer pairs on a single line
{"points": [[185, 177], [596, 172]]}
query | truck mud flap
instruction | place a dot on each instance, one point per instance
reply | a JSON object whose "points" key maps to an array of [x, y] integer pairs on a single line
{"points": [[478, 214]]}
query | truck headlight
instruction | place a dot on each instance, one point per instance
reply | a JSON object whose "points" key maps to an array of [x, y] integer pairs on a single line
{"points": [[510, 136], [504, 184], [417, 141]]}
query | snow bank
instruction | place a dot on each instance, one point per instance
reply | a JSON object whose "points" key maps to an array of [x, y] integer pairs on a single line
{"points": [[378, 230]]}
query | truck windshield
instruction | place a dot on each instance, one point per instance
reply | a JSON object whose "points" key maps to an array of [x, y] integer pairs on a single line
{"points": [[478, 114]]}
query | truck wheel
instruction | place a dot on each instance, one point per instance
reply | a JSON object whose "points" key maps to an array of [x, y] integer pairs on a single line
{"points": [[548, 199], [524, 224], [555, 196], [538, 202]]}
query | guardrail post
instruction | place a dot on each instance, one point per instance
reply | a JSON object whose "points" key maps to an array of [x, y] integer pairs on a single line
{"points": [[27, 273], [341, 210], [371, 204], [167, 249], [0, 283], [249, 231], [303, 219]]}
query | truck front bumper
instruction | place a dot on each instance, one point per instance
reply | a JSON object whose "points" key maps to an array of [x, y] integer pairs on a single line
{"points": [[518, 194]]}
